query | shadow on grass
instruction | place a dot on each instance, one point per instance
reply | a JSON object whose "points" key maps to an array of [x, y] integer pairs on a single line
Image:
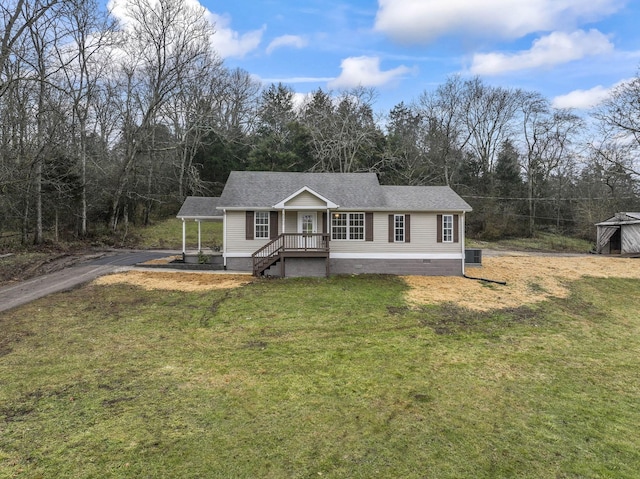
{"points": [[451, 319]]}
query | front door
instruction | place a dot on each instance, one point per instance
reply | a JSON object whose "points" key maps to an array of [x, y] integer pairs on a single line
{"points": [[307, 225]]}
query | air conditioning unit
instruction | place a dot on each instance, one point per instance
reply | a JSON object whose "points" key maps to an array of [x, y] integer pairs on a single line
{"points": [[473, 256]]}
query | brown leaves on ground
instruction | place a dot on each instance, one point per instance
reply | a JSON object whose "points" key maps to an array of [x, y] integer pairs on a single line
{"points": [[177, 281], [529, 278]]}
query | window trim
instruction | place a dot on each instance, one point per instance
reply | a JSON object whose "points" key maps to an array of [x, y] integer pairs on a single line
{"points": [[447, 231], [263, 227], [399, 230], [348, 226]]}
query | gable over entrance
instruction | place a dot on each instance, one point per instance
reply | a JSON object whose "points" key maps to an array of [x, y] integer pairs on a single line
{"points": [[305, 198]]}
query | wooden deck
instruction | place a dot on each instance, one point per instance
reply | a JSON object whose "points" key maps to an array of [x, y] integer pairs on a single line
{"points": [[291, 245]]}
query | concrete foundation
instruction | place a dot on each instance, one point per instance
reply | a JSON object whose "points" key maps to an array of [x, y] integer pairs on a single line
{"points": [[401, 267], [312, 267]]}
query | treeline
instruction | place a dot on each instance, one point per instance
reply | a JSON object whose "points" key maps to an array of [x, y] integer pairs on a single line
{"points": [[102, 123]]}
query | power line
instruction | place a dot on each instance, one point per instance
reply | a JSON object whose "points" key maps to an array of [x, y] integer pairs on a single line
{"points": [[477, 197]]}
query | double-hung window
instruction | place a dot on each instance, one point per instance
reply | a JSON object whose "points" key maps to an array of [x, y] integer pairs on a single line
{"points": [[447, 228], [262, 224], [347, 226], [398, 228]]}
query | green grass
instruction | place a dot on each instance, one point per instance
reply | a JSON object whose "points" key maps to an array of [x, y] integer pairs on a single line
{"points": [[167, 234], [319, 378], [546, 242]]}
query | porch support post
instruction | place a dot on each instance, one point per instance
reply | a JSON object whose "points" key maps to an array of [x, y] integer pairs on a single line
{"points": [[224, 239], [184, 236], [199, 237], [328, 242], [283, 220], [328, 225]]}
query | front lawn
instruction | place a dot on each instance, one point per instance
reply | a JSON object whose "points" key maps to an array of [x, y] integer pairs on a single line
{"points": [[332, 378]]}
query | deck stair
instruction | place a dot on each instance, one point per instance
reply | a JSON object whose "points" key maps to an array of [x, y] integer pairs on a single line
{"points": [[290, 245]]}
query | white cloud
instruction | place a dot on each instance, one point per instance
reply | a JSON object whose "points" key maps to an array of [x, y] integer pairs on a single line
{"points": [[553, 49], [301, 99], [585, 99], [287, 80], [293, 41], [582, 99], [228, 42], [420, 21], [365, 71]]}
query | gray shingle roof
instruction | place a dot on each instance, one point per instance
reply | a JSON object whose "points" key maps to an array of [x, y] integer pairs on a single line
{"points": [[200, 207], [259, 189], [424, 198]]}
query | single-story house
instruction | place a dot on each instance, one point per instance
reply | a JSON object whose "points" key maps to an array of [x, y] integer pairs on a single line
{"points": [[619, 235], [316, 224]]}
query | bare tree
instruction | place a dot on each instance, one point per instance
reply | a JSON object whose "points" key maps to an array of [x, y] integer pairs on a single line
{"points": [[488, 114], [43, 36], [18, 17], [166, 42], [85, 56], [444, 134], [619, 118], [547, 136], [190, 115]]}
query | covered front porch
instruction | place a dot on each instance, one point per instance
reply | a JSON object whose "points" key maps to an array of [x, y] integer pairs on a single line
{"points": [[200, 213], [303, 243]]}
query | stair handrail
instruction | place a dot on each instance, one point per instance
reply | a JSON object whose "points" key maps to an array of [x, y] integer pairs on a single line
{"points": [[270, 252], [264, 255]]}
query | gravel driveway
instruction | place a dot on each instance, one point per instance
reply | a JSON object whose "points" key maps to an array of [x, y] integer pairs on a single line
{"points": [[17, 294]]}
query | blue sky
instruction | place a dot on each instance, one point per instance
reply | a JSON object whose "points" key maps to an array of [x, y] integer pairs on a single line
{"points": [[571, 51]]}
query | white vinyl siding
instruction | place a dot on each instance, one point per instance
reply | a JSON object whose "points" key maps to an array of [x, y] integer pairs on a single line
{"points": [[423, 236], [236, 240], [306, 199]]}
